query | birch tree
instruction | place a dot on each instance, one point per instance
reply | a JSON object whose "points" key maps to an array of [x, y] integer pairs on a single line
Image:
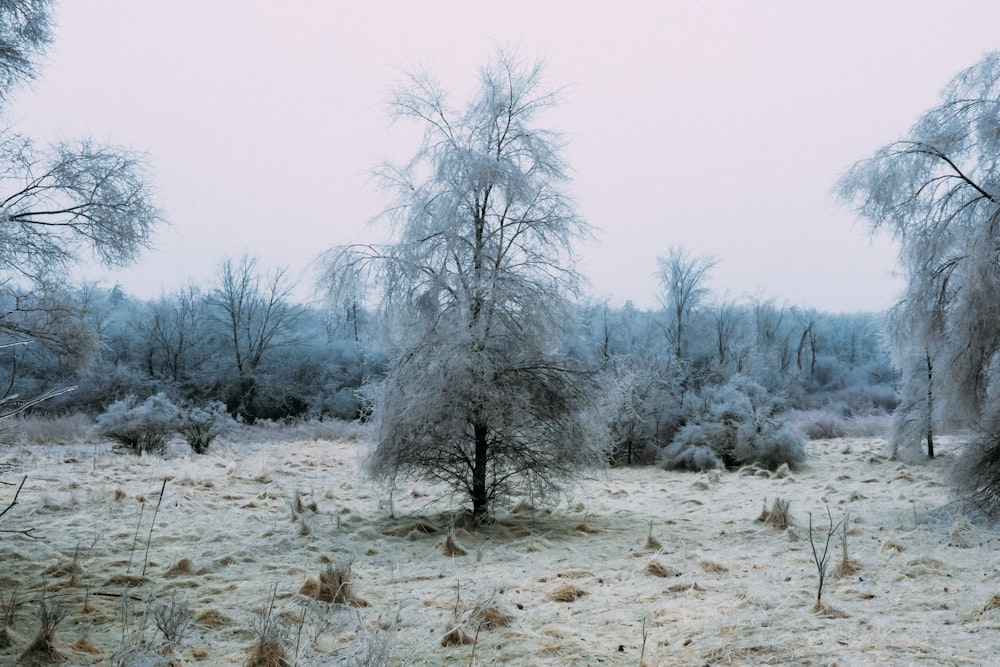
{"points": [[682, 277], [479, 277]]}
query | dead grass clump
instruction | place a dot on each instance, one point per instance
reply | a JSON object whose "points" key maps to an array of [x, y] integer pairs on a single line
{"points": [[125, 581], [776, 515], [419, 527], [212, 618], [658, 569], [452, 548], [846, 567], [826, 611], [711, 566], [652, 543], [333, 586], [310, 588], [456, 636], [565, 593], [42, 650], [891, 544], [85, 645], [182, 567], [269, 649], [491, 617]]}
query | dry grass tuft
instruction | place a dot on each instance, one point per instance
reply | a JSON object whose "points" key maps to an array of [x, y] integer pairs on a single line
{"points": [[565, 593], [711, 566], [182, 567], [652, 543], [269, 649], [41, 650], [419, 527], [84, 645], [212, 618], [310, 588], [892, 545], [846, 567], [457, 637], [333, 586], [658, 569], [126, 581], [452, 548], [267, 654], [776, 515], [826, 611], [491, 617]]}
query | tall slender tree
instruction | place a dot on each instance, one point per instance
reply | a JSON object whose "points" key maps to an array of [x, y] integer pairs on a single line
{"points": [[479, 276], [682, 277]]}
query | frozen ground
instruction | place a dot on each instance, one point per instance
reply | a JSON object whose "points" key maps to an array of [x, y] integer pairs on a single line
{"points": [[639, 564]]}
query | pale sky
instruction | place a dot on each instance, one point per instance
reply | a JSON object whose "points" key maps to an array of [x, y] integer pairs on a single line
{"points": [[720, 127]]}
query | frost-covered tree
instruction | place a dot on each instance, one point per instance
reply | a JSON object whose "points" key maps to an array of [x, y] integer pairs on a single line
{"points": [[682, 277], [25, 31], [255, 315], [478, 278], [937, 191], [60, 204]]}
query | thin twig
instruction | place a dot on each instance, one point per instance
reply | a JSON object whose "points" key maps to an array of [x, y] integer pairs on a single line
{"points": [[16, 494], [145, 559]]}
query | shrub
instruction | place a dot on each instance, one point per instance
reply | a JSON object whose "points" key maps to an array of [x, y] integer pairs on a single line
{"points": [[734, 424], [641, 406], [142, 427], [201, 425]]}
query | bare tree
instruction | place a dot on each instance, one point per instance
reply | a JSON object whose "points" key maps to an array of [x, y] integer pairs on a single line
{"points": [[683, 280], [936, 190], [257, 315], [478, 278], [725, 323], [25, 31]]}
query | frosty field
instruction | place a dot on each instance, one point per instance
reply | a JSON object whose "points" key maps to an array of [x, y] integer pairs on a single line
{"points": [[639, 565]]}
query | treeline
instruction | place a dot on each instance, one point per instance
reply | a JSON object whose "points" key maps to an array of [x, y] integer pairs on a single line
{"points": [[244, 342]]}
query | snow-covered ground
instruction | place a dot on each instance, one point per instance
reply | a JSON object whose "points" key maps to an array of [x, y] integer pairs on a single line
{"points": [[638, 565]]}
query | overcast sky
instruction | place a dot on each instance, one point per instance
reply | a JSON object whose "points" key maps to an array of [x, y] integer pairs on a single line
{"points": [[717, 126]]}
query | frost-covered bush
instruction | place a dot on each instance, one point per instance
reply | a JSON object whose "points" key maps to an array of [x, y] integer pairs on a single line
{"points": [[140, 427], [820, 424], [734, 424], [641, 408], [201, 425]]}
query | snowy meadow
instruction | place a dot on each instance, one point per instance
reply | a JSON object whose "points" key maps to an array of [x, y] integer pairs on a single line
{"points": [[274, 541]]}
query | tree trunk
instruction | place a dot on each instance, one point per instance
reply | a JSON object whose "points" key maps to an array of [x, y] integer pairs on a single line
{"points": [[480, 499], [930, 407]]}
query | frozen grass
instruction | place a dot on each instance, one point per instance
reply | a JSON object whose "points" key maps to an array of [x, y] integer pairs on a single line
{"points": [[642, 564], [49, 429], [824, 424]]}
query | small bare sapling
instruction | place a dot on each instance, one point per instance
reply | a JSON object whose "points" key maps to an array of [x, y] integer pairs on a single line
{"points": [[822, 558]]}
